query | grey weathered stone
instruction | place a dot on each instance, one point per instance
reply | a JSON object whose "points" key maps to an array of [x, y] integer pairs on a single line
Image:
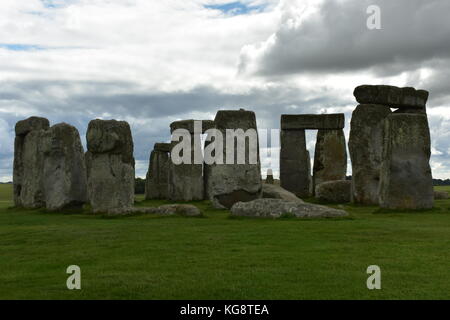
{"points": [[185, 210], [271, 191], [65, 182], [189, 125], [269, 176], [111, 177], [366, 146], [231, 183], [330, 158], [441, 195], [406, 180], [391, 96], [295, 165], [162, 147], [186, 179], [276, 208], [312, 121], [334, 191], [157, 180], [28, 181]]}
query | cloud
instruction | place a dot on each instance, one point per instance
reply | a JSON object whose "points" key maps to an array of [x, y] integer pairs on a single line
{"points": [[332, 36], [154, 62]]}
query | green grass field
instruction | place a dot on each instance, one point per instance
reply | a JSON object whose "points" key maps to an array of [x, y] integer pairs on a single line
{"points": [[216, 257]]}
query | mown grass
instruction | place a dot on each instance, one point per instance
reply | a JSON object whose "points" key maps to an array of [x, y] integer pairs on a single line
{"points": [[151, 257]]}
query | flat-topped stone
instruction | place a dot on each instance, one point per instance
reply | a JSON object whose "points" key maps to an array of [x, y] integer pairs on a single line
{"points": [[276, 208], [162, 147], [312, 121], [189, 125], [391, 96]]}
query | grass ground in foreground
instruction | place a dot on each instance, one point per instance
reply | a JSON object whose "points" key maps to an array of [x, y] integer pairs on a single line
{"points": [[149, 257]]}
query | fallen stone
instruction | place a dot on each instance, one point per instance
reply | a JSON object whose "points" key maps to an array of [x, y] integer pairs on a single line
{"points": [[185, 210], [366, 147], [330, 158], [276, 208], [334, 191], [441, 195], [391, 96], [271, 191], [65, 182], [295, 163], [406, 180], [312, 121]]}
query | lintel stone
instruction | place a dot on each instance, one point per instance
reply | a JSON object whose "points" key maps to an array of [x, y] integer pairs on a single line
{"points": [[312, 121]]}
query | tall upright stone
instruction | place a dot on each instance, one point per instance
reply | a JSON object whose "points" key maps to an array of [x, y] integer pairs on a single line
{"points": [[406, 179], [295, 163], [111, 174], [156, 184], [330, 158], [230, 182], [186, 178], [28, 163], [64, 170], [366, 146]]}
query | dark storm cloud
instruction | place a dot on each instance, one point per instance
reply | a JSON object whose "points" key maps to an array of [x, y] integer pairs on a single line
{"points": [[336, 38]]}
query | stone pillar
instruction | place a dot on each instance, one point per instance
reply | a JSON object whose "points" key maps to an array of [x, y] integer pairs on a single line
{"points": [[269, 178], [366, 146], [330, 158], [186, 179], [406, 180], [156, 184], [295, 165], [28, 179], [65, 182], [111, 175], [231, 183]]}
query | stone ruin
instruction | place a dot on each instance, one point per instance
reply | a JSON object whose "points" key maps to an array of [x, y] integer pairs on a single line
{"points": [[330, 160], [390, 151], [49, 166], [111, 165]]}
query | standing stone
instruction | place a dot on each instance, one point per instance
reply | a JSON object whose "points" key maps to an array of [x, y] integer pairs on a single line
{"points": [[232, 183], [366, 146], [295, 165], [111, 176], [29, 162], [269, 178], [65, 181], [406, 180], [186, 179], [156, 185], [330, 158]]}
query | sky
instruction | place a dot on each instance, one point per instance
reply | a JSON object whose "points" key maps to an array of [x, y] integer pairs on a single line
{"points": [[154, 62]]}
